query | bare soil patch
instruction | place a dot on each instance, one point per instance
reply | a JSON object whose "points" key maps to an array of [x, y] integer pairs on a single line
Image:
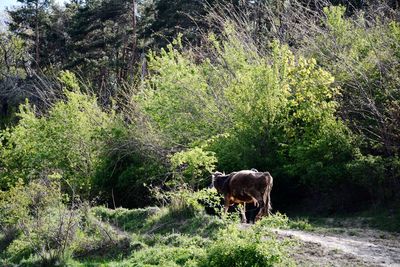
{"points": [[345, 247]]}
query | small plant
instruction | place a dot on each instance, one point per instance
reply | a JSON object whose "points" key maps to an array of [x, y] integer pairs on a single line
{"points": [[301, 224], [277, 220]]}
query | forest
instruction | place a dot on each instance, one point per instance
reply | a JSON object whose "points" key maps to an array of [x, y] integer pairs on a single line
{"points": [[115, 113]]}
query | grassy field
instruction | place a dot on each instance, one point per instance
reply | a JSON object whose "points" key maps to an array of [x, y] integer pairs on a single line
{"points": [[180, 234], [183, 234]]}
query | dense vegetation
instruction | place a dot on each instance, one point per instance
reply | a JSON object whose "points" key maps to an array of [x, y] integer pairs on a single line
{"points": [[124, 103]]}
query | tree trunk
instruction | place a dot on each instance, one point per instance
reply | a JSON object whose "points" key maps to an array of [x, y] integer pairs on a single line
{"points": [[134, 41], [37, 35]]}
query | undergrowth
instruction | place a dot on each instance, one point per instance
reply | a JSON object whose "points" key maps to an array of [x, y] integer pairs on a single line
{"points": [[182, 234], [177, 234]]}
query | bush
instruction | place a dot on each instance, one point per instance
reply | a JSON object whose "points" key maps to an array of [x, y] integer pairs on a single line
{"points": [[100, 240], [243, 248], [377, 175], [68, 140], [167, 256], [49, 226], [46, 227], [276, 112], [168, 239], [122, 179], [193, 167], [362, 54]]}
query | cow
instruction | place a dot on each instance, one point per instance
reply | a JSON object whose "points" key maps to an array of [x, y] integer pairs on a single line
{"points": [[246, 186]]}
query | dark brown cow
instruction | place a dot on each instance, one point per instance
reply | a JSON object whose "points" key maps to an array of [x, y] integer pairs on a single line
{"points": [[245, 187]]}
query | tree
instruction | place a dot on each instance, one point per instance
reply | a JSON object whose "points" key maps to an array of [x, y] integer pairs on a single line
{"points": [[13, 68], [29, 22], [103, 43], [165, 19]]}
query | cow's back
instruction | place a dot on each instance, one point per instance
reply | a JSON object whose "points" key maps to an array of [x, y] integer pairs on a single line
{"points": [[244, 181]]}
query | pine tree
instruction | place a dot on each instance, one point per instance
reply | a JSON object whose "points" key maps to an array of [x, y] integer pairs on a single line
{"points": [[29, 21]]}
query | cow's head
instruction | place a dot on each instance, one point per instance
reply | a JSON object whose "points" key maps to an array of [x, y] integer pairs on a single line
{"points": [[218, 180], [214, 176]]}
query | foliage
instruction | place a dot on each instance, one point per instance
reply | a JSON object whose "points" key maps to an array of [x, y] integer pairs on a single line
{"points": [[362, 54], [365, 71], [177, 97], [122, 179], [67, 141], [172, 236], [166, 19], [246, 248], [169, 236], [307, 91], [102, 43], [50, 226], [12, 56], [253, 110], [29, 22], [282, 221], [167, 256], [45, 226], [194, 166]]}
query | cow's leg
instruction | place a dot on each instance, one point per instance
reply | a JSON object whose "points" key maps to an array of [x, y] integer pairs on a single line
{"points": [[268, 207], [243, 211], [261, 201], [226, 206], [268, 195], [263, 209], [266, 210]]}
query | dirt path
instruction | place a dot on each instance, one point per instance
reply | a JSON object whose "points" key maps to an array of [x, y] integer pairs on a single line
{"points": [[350, 247]]}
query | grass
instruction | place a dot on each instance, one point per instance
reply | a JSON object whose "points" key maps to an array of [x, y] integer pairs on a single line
{"points": [[386, 220], [125, 219], [186, 237], [154, 220], [383, 218], [180, 234]]}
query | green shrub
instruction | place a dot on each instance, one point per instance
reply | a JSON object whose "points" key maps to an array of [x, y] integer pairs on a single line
{"points": [[276, 111], [377, 175], [362, 53], [282, 221], [18, 250], [126, 171], [234, 247], [301, 224], [46, 227], [68, 140], [50, 226], [276, 220], [193, 167], [167, 256]]}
